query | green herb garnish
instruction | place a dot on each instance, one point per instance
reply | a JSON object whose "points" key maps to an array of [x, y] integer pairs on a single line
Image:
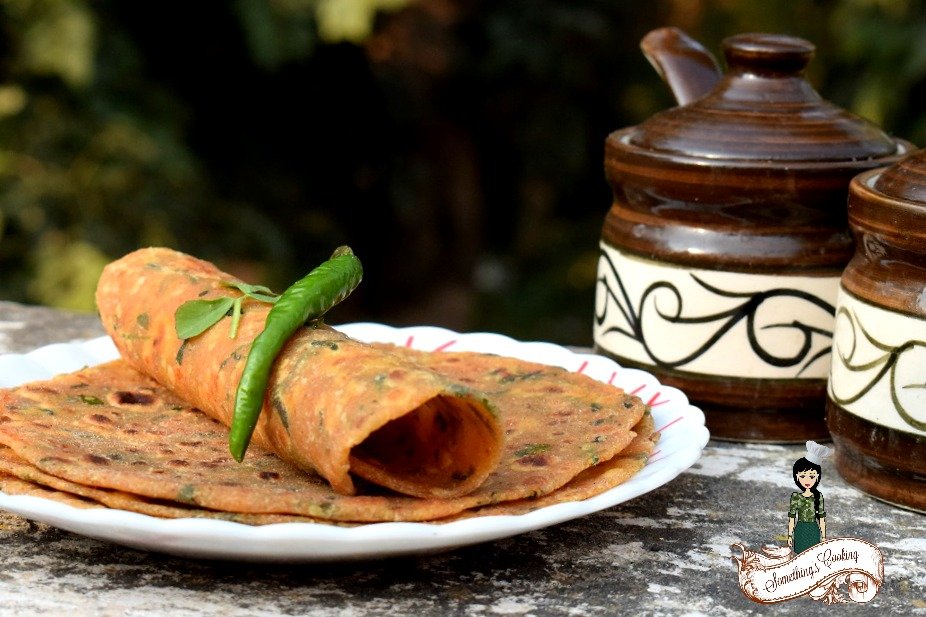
{"points": [[194, 317]]}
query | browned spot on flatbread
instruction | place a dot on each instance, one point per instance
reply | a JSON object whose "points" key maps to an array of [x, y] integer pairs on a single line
{"points": [[94, 459], [124, 397]]}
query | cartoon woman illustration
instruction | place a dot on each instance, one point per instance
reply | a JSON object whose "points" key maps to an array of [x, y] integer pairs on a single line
{"points": [[806, 513]]}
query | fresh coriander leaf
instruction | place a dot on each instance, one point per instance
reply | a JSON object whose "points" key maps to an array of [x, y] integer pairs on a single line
{"points": [[262, 298], [197, 316], [256, 292], [246, 289]]}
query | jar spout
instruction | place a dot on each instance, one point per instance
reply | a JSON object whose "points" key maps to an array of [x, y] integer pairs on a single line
{"points": [[684, 64]]}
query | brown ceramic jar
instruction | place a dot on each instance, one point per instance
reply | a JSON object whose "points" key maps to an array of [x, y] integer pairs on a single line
{"points": [[876, 399], [722, 251]]}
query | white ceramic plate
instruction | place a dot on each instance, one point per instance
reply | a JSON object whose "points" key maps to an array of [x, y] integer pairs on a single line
{"points": [[683, 438]]}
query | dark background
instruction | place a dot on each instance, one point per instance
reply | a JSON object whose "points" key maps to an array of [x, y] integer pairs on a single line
{"points": [[455, 145]]}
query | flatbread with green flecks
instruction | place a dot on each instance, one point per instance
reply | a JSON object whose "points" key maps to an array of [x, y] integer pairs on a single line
{"points": [[109, 427]]}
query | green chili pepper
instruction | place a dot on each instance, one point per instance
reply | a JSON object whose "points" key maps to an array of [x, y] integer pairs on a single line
{"points": [[306, 300]]}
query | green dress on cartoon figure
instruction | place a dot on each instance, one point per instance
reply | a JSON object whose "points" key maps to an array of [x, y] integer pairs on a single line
{"points": [[806, 528]]}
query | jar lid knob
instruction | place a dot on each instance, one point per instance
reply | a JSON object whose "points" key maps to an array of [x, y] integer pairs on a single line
{"points": [[767, 54]]}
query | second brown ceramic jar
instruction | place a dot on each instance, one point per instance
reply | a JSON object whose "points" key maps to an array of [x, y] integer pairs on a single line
{"points": [[723, 248], [876, 405]]}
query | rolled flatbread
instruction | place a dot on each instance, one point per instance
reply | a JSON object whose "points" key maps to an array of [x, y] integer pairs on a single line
{"points": [[333, 405]]}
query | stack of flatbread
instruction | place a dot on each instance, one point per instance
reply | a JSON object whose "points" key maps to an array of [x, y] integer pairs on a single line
{"points": [[349, 433]]}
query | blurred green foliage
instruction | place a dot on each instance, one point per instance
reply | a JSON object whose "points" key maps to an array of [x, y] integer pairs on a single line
{"points": [[455, 144]]}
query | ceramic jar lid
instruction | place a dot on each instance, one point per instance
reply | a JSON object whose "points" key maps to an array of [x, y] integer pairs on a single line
{"points": [[890, 203], [887, 213], [905, 180], [763, 111]]}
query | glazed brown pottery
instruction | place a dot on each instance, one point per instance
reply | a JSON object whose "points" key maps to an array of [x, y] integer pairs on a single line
{"points": [[876, 400], [722, 251]]}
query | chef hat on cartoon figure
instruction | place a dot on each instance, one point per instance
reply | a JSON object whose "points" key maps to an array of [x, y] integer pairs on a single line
{"points": [[816, 452]]}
